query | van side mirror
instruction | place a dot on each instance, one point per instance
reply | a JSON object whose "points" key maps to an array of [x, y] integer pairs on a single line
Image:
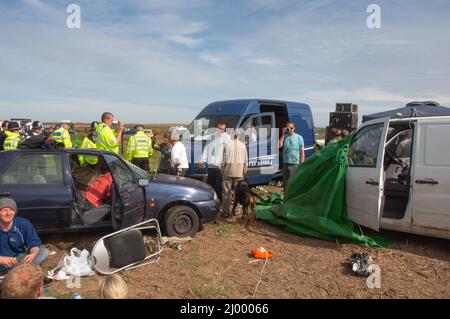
{"points": [[143, 182]]}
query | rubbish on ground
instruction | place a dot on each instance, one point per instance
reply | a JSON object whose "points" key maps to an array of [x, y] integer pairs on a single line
{"points": [[360, 264], [261, 253], [174, 240], [176, 247], [76, 264]]}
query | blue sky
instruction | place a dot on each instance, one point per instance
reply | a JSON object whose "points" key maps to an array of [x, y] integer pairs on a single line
{"points": [[163, 61]]}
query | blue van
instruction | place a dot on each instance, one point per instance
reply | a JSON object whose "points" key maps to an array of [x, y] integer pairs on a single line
{"points": [[270, 116]]}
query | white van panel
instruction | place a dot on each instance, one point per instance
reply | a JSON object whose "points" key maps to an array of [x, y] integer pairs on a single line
{"points": [[431, 180]]}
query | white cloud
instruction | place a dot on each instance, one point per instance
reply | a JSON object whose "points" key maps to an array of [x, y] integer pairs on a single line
{"points": [[185, 40]]}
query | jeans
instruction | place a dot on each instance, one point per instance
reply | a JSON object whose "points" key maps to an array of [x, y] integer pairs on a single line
{"points": [[41, 256], [288, 171]]}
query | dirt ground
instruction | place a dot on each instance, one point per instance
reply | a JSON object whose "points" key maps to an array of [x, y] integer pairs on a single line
{"points": [[217, 263]]}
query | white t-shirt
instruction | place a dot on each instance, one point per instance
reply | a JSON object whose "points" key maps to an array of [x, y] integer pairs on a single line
{"points": [[178, 155]]}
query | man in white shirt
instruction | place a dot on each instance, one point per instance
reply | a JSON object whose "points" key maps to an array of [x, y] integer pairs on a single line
{"points": [[178, 155], [213, 156]]}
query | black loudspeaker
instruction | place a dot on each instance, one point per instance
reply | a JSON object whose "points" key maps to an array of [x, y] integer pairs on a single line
{"points": [[343, 121], [346, 107]]}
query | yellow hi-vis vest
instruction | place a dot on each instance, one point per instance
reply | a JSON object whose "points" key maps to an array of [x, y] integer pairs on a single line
{"points": [[12, 141], [106, 139], [139, 146], [62, 135], [88, 144]]}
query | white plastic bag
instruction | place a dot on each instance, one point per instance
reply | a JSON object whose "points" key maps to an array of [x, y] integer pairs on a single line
{"points": [[76, 264]]}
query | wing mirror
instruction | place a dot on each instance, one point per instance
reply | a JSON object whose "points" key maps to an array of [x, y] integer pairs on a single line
{"points": [[143, 182]]}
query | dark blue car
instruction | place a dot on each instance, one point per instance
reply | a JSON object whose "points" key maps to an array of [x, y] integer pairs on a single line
{"points": [[50, 186]]}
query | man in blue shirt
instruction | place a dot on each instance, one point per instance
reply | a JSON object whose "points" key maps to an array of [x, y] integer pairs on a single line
{"points": [[19, 241], [293, 151]]}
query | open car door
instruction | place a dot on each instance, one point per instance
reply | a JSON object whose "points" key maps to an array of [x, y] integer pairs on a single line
{"points": [[364, 180], [131, 211]]}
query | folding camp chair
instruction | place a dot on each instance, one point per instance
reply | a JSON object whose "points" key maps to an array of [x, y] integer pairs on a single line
{"points": [[125, 249]]}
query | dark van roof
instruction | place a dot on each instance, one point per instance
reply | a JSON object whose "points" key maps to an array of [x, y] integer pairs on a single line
{"points": [[239, 107]]}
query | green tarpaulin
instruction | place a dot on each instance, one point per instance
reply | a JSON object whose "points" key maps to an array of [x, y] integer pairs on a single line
{"points": [[315, 202]]}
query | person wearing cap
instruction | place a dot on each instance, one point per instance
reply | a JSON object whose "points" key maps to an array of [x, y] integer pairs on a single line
{"points": [[12, 136], [3, 133], [139, 149], [19, 241], [36, 129], [106, 138], [62, 136], [89, 143]]}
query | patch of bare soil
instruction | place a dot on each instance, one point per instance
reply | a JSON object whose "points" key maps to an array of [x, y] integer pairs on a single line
{"points": [[217, 264]]}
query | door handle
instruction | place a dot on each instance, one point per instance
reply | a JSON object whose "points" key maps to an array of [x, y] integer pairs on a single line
{"points": [[5, 194], [427, 181], [372, 182]]}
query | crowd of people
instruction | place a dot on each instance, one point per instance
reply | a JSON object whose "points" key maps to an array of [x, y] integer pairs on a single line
{"points": [[226, 157]]}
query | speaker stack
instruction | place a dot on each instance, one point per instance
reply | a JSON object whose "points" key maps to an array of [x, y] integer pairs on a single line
{"points": [[345, 118]]}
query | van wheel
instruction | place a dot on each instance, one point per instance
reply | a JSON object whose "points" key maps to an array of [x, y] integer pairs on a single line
{"points": [[181, 221]]}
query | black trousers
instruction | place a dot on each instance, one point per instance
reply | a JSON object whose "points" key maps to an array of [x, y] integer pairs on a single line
{"points": [[215, 180], [142, 163]]}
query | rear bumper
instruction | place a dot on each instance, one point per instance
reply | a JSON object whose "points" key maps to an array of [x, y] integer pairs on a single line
{"points": [[208, 210]]}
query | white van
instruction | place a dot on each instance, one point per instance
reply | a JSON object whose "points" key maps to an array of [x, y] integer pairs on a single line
{"points": [[398, 175]]}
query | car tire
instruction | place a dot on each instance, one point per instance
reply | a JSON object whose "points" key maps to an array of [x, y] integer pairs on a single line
{"points": [[181, 221]]}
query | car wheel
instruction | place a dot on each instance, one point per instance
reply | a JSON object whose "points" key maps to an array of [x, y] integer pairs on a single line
{"points": [[181, 221]]}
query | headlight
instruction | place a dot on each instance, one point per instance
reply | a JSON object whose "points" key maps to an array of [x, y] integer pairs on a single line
{"points": [[216, 198]]}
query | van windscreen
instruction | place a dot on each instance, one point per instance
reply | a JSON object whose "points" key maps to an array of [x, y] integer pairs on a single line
{"points": [[200, 125]]}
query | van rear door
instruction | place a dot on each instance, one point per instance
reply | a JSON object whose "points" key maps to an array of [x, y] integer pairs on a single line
{"points": [[364, 184], [431, 175], [261, 140]]}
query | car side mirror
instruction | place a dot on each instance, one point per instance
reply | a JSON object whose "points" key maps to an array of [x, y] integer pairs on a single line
{"points": [[143, 182]]}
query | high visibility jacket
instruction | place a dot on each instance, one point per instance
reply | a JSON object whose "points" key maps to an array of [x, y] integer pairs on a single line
{"points": [[12, 141], [106, 139], [88, 144], [62, 135], [139, 146]]}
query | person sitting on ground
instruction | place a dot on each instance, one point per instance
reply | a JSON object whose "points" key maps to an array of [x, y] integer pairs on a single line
{"points": [[113, 287], [25, 281], [19, 241]]}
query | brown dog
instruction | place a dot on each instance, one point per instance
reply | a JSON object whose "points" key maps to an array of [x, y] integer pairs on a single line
{"points": [[247, 198]]}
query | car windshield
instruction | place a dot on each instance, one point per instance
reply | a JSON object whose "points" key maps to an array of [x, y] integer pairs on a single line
{"points": [[200, 125]]}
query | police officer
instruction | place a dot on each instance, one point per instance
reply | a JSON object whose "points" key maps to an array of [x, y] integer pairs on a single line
{"points": [[12, 136], [36, 128], [62, 136], [139, 149], [106, 139], [89, 143]]}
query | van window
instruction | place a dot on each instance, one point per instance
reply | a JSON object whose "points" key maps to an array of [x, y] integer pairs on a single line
{"points": [[200, 125], [34, 169], [363, 150]]}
